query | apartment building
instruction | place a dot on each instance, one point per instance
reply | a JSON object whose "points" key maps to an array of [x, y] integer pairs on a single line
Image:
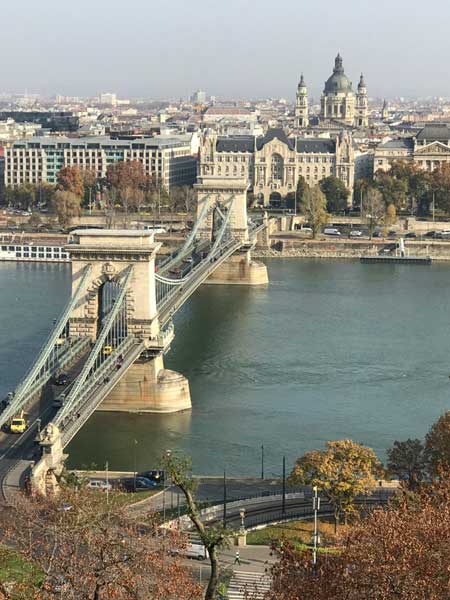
{"points": [[170, 161]]}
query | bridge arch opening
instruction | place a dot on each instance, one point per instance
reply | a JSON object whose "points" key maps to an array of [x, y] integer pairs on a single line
{"points": [[107, 295]]}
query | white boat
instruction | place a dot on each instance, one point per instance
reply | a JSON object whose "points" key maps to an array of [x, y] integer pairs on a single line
{"points": [[32, 253]]}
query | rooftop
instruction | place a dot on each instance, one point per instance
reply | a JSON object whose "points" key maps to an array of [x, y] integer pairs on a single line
{"points": [[158, 141]]}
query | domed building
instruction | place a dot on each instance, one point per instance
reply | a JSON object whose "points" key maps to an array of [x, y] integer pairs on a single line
{"points": [[340, 103]]}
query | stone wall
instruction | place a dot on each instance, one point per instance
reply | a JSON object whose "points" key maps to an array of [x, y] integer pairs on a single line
{"points": [[326, 249]]}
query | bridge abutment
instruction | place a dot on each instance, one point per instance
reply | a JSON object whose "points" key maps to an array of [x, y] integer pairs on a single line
{"points": [[149, 387], [240, 269]]}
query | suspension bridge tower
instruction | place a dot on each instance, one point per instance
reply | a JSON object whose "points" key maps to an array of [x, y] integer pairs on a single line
{"points": [[146, 386], [229, 193]]}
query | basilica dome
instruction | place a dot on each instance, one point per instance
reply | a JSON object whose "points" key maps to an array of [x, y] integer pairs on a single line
{"points": [[338, 82]]}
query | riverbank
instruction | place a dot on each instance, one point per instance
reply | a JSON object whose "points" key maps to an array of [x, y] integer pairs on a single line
{"points": [[291, 247]]}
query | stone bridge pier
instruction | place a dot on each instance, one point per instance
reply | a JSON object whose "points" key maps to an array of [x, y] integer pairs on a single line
{"points": [[147, 386], [219, 191]]}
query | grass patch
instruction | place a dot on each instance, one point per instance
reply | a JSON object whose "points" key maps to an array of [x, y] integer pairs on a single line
{"points": [[27, 576], [297, 532]]}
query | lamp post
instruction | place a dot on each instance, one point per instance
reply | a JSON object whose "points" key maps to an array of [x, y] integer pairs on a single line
{"points": [[242, 515], [107, 481], [168, 453], [262, 461], [316, 536], [283, 497], [224, 499]]}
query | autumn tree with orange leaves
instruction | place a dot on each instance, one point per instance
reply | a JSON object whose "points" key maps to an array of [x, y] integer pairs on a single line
{"points": [[402, 553], [90, 549]]}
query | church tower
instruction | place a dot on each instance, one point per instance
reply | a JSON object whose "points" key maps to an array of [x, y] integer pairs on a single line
{"points": [[385, 111], [301, 105], [362, 105]]}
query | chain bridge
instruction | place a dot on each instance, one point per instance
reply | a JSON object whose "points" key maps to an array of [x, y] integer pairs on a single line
{"points": [[117, 325]]}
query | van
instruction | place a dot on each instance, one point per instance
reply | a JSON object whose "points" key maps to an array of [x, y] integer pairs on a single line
{"points": [[193, 550], [331, 231]]}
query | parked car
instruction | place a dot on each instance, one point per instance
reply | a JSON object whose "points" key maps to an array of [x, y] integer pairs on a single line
{"points": [[61, 379], [377, 234], [99, 484], [392, 234], [331, 231], [137, 484], [305, 230], [411, 234], [155, 475], [355, 233]]}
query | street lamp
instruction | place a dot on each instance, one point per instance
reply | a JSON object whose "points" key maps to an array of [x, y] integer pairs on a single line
{"points": [[168, 454], [242, 515], [316, 535], [262, 462]]}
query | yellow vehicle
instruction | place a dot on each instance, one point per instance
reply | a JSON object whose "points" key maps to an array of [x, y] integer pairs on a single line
{"points": [[18, 424], [107, 350]]}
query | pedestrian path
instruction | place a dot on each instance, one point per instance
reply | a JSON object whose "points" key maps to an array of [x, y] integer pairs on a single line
{"points": [[245, 584]]}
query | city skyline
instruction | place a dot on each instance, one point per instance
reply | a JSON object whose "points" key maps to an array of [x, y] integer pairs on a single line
{"points": [[230, 50]]}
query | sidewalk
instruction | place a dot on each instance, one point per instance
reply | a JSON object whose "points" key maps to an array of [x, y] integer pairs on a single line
{"points": [[254, 559]]}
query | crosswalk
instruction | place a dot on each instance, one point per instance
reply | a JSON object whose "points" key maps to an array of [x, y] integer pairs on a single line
{"points": [[245, 585]]}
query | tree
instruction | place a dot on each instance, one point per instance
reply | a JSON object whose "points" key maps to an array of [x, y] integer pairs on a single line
{"points": [[45, 193], [391, 215], [437, 443], [373, 209], [90, 549], [302, 186], [89, 179], [335, 192], [313, 205], [402, 552], [440, 184], [179, 472], [343, 471], [66, 205], [393, 190], [182, 198], [408, 462], [127, 174], [418, 182], [70, 180]]}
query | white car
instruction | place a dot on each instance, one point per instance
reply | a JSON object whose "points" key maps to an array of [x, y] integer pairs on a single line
{"points": [[99, 484], [331, 231], [355, 233], [194, 550]]}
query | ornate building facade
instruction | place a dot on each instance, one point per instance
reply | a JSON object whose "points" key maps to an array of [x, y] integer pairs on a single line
{"points": [[428, 149], [273, 163], [338, 103]]}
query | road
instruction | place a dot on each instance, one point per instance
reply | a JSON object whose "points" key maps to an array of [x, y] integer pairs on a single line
{"points": [[17, 452]]}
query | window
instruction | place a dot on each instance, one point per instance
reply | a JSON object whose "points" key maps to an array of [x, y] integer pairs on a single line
{"points": [[277, 167]]}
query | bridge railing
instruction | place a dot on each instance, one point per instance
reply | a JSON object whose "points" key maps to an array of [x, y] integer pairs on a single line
{"points": [[48, 358], [97, 355], [96, 390]]}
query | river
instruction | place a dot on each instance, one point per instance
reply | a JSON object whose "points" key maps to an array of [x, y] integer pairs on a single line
{"points": [[329, 350]]}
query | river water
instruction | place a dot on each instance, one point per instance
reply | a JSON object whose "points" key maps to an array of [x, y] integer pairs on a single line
{"points": [[329, 350]]}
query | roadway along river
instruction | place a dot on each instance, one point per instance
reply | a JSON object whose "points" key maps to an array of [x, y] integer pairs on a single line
{"points": [[328, 350]]}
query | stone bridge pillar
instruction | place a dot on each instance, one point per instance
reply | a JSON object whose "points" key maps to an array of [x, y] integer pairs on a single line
{"points": [[146, 386], [239, 268]]}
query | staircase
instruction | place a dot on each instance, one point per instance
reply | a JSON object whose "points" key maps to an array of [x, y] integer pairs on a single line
{"points": [[245, 585]]}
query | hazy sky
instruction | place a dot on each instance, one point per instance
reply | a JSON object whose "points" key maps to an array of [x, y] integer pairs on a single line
{"points": [[230, 48]]}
